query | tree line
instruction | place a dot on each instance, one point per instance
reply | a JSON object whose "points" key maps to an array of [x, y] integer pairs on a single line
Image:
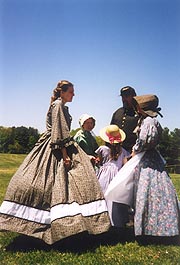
{"points": [[17, 140], [169, 148], [20, 140]]}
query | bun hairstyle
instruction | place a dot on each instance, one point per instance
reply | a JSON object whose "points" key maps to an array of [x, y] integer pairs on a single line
{"points": [[62, 85]]}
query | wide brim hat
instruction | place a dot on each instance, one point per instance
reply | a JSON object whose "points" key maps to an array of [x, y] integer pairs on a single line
{"points": [[112, 134], [149, 104], [85, 117]]}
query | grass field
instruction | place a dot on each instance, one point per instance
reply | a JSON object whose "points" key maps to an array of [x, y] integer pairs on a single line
{"points": [[109, 248]]}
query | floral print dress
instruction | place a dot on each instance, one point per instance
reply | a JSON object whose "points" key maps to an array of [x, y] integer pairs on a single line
{"points": [[155, 200]]}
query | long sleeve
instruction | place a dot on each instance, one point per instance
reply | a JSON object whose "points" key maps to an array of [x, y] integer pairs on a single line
{"points": [[149, 135], [60, 134]]}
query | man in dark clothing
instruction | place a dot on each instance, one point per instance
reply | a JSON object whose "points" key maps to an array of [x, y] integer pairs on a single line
{"points": [[126, 118]]}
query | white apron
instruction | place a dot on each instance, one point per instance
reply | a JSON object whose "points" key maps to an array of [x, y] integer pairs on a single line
{"points": [[120, 188]]}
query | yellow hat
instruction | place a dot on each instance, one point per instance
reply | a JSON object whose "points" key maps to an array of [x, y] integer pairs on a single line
{"points": [[112, 134]]}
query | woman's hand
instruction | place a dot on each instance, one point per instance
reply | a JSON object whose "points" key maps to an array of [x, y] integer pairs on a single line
{"points": [[92, 158], [133, 153], [66, 159], [67, 163]]}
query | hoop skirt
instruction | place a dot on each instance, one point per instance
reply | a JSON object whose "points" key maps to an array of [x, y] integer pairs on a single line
{"points": [[147, 186], [46, 201]]}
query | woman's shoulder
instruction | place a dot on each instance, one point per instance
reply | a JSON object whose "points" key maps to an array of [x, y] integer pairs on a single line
{"points": [[56, 102], [151, 121]]}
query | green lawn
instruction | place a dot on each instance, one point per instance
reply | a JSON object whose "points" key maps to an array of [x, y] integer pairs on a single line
{"points": [[109, 248]]}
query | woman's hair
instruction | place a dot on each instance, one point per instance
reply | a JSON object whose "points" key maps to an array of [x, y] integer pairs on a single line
{"points": [[62, 85], [116, 150]]}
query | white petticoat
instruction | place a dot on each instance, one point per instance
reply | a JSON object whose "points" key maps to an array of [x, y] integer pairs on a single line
{"points": [[120, 188]]}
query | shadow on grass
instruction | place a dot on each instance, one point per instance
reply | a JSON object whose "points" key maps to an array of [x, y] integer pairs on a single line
{"points": [[84, 242], [158, 240], [80, 243]]}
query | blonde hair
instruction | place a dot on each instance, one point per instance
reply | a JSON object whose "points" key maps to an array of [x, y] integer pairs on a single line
{"points": [[62, 85]]}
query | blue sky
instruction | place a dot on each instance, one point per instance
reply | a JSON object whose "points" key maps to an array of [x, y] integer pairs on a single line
{"points": [[98, 45]]}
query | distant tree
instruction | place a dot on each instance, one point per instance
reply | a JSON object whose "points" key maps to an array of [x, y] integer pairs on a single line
{"points": [[175, 146], [21, 135], [33, 137], [5, 139], [163, 146], [170, 146], [15, 148], [18, 140]]}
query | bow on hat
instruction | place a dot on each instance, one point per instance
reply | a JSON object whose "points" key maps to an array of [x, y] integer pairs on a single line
{"points": [[112, 134], [113, 139]]}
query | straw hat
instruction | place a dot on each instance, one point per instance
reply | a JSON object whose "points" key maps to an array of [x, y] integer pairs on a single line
{"points": [[84, 118], [149, 104], [112, 134]]}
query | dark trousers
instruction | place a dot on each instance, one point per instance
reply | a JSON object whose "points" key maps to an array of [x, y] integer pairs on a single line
{"points": [[120, 215]]}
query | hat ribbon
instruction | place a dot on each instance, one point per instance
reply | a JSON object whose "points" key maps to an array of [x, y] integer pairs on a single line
{"points": [[113, 138]]}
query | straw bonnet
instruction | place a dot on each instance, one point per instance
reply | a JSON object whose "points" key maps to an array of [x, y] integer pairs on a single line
{"points": [[112, 134], [85, 117], [149, 104]]}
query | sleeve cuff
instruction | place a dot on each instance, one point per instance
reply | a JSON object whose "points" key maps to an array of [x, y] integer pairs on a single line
{"points": [[59, 144]]}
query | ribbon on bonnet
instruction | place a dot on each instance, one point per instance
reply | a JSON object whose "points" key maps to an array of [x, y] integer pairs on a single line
{"points": [[112, 134], [112, 138]]}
